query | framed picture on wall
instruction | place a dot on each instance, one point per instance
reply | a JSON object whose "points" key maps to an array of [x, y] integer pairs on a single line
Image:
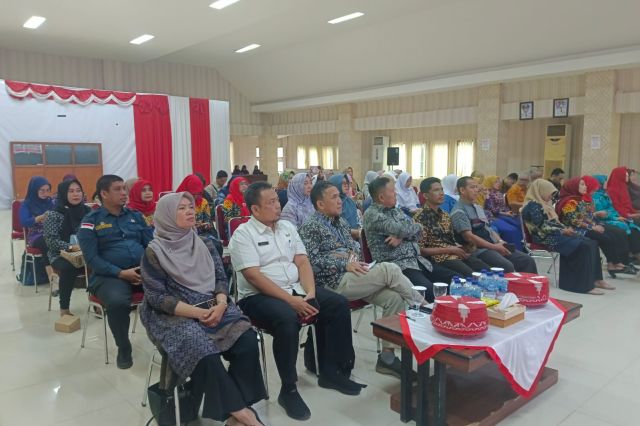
{"points": [[561, 107], [526, 110]]}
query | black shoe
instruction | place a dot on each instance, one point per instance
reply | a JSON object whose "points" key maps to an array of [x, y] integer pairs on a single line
{"points": [[393, 368], [124, 359], [340, 383], [293, 405]]}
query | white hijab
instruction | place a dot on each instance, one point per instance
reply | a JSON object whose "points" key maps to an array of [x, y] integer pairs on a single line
{"points": [[407, 197], [449, 186]]}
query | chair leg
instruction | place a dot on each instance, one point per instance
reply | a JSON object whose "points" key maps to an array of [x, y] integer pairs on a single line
{"points": [[315, 349], [35, 278], [50, 293], [357, 326], [135, 321], [375, 317], [106, 347], [263, 354], [23, 269], [176, 401], [146, 385], [13, 259], [84, 326]]}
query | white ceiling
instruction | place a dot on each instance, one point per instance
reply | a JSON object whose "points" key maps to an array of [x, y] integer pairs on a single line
{"points": [[303, 56]]}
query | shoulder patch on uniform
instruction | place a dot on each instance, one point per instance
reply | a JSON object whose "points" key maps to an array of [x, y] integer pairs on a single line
{"points": [[89, 226], [103, 226]]}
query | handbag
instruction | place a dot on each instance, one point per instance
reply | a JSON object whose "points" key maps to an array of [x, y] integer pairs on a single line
{"points": [[75, 258], [162, 405]]}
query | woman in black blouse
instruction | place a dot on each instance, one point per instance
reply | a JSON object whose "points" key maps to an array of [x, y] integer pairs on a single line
{"points": [[60, 224]]}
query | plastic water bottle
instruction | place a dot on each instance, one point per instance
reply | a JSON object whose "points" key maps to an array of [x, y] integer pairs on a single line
{"points": [[504, 284], [482, 282], [491, 287], [73, 240], [455, 289]]}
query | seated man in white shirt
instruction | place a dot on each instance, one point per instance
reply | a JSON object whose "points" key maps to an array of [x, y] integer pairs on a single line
{"points": [[277, 290]]}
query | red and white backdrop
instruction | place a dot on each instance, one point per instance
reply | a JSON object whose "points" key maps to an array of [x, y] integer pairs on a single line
{"points": [[161, 138]]}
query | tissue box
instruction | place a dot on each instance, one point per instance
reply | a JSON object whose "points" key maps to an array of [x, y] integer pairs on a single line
{"points": [[503, 319], [67, 324]]}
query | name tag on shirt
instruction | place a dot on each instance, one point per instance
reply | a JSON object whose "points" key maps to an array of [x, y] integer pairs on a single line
{"points": [[263, 243]]}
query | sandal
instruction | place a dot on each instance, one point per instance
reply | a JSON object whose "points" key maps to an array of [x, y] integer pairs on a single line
{"points": [[605, 285], [596, 292]]}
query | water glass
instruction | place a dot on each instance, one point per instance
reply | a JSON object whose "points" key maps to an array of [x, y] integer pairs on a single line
{"points": [[440, 289], [420, 292]]}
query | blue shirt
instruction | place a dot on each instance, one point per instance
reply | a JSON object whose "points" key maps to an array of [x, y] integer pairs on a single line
{"points": [[112, 243]]}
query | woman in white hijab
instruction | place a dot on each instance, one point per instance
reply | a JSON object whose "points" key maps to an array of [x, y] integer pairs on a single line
{"points": [[187, 312], [407, 198], [450, 195]]}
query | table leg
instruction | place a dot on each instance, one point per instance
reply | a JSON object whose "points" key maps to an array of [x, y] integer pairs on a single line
{"points": [[440, 408], [405, 385], [422, 399]]}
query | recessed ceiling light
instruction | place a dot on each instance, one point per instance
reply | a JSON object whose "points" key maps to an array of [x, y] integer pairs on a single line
{"points": [[346, 18], [142, 39], [34, 22], [248, 48], [221, 4]]}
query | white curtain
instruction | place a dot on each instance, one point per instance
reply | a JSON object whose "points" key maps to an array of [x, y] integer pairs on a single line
{"points": [[418, 160], [220, 136], [30, 120], [180, 138], [439, 159], [327, 157], [302, 157], [464, 157]]}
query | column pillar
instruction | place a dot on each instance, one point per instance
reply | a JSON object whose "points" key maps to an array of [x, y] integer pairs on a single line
{"points": [[350, 152], [491, 131], [601, 133], [268, 144]]}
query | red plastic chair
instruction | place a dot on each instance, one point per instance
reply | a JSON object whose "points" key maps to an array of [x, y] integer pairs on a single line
{"points": [[221, 227], [539, 250], [17, 232], [100, 311], [235, 222], [30, 256], [163, 193], [366, 253], [421, 198], [361, 305]]}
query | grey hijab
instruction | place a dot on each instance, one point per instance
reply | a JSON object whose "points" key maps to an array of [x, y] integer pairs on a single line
{"points": [[181, 253]]}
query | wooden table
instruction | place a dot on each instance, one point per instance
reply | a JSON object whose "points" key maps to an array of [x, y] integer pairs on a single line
{"points": [[476, 390]]}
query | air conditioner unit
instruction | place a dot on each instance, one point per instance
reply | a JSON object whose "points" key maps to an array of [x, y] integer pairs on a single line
{"points": [[557, 148], [379, 153]]}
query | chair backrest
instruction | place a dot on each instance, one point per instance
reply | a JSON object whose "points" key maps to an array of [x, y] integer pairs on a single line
{"points": [[235, 222], [421, 198], [16, 226], [220, 225], [366, 253], [163, 193]]}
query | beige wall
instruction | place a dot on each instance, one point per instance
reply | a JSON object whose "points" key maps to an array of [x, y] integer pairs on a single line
{"points": [[244, 150], [630, 140], [524, 145], [152, 77]]}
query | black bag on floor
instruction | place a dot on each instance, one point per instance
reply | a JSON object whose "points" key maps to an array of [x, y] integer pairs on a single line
{"points": [[41, 272], [163, 407]]}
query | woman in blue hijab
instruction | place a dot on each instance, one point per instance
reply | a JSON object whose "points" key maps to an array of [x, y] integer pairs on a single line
{"points": [[349, 208], [33, 212], [607, 214]]}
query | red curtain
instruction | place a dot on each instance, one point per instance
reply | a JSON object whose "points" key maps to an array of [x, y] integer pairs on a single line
{"points": [[153, 140], [19, 90], [200, 137]]}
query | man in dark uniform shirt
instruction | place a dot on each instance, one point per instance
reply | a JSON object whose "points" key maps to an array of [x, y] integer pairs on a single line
{"points": [[113, 239]]}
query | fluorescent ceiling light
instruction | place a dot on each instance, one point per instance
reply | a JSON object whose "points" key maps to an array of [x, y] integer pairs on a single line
{"points": [[142, 39], [34, 22], [348, 17], [221, 4], [248, 48]]}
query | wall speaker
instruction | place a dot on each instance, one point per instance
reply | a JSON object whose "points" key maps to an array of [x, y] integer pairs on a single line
{"points": [[393, 156]]}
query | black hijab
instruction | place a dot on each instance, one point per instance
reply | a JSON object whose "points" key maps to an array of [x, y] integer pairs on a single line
{"points": [[72, 214]]}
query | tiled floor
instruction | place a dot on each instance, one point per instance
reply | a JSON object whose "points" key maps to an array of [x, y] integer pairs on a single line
{"points": [[46, 379]]}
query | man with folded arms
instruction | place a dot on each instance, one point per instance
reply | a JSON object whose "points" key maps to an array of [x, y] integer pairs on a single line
{"points": [[113, 239], [472, 226], [335, 259], [277, 291], [393, 237]]}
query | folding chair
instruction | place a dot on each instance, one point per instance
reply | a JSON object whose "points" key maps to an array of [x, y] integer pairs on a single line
{"points": [[541, 251], [31, 254], [17, 232]]}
